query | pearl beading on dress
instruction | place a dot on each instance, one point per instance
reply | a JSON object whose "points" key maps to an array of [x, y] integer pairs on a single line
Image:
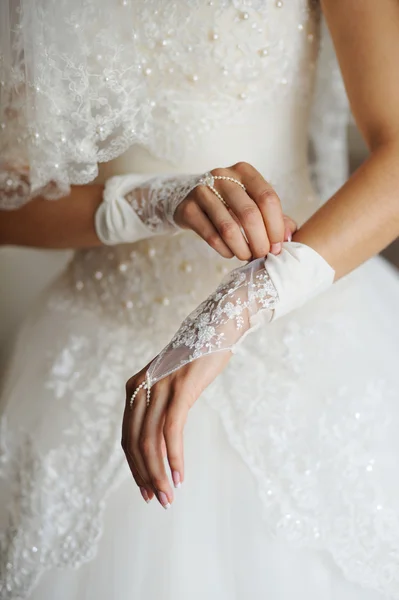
{"points": [[141, 106]]}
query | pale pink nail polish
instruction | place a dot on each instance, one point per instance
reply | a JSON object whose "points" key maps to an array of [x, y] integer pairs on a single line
{"points": [[289, 237], [275, 248], [163, 499], [176, 478], [145, 494]]}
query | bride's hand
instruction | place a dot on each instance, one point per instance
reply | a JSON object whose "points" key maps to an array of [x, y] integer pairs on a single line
{"points": [[151, 433], [257, 211]]}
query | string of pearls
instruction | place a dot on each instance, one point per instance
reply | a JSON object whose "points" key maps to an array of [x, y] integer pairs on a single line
{"points": [[144, 385], [230, 179], [209, 180]]}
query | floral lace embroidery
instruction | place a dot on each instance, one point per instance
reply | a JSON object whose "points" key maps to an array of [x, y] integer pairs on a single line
{"points": [[156, 200], [221, 321], [73, 99], [136, 207], [55, 498]]}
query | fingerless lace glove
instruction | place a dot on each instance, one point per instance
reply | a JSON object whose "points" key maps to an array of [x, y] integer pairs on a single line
{"points": [[250, 296], [137, 206]]}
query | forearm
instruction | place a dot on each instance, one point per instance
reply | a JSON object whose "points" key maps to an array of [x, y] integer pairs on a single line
{"points": [[126, 209], [362, 218], [64, 223]]}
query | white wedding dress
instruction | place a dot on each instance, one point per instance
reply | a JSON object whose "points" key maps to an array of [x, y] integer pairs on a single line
{"points": [[291, 486]]}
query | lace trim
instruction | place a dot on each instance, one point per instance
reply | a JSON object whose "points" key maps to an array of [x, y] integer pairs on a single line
{"points": [[56, 497], [80, 85], [219, 322], [156, 201]]}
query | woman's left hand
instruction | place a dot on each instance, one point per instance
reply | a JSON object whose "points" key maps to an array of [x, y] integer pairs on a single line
{"points": [[151, 433]]}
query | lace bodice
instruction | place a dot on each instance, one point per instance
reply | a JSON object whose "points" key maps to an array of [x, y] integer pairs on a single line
{"points": [[237, 82], [163, 75]]}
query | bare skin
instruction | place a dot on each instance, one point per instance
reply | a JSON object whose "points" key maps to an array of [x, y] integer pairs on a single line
{"points": [[360, 220]]}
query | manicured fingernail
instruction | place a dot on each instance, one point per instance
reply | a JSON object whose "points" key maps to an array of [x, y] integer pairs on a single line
{"points": [[288, 235], [144, 493], [275, 248], [176, 478], [163, 499]]}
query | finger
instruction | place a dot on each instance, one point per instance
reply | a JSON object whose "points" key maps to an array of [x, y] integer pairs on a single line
{"points": [[191, 214], [224, 223], [151, 442], [133, 434], [176, 417], [145, 490], [269, 205], [249, 216]]}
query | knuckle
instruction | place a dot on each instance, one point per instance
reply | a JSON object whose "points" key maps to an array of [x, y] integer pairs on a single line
{"points": [[268, 197], [145, 445], [175, 460], [228, 229], [159, 482], [226, 253], [199, 193], [213, 240], [171, 428], [250, 214], [218, 171], [242, 255], [261, 251], [188, 209], [242, 167]]}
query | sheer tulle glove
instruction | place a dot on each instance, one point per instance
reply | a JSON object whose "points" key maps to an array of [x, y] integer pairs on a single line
{"points": [[137, 206], [159, 397], [233, 209], [250, 296]]}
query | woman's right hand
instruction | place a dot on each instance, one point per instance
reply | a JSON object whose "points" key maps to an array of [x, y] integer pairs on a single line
{"points": [[257, 211]]}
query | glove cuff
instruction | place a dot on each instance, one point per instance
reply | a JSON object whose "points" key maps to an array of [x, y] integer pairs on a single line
{"points": [[298, 273]]}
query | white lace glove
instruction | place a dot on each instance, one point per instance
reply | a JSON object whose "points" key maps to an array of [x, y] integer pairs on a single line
{"points": [[136, 207], [250, 296]]}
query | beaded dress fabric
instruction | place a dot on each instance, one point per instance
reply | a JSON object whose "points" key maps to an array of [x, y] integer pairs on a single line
{"points": [[290, 454]]}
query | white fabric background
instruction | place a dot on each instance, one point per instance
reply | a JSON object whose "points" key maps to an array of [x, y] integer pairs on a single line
{"points": [[23, 274]]}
